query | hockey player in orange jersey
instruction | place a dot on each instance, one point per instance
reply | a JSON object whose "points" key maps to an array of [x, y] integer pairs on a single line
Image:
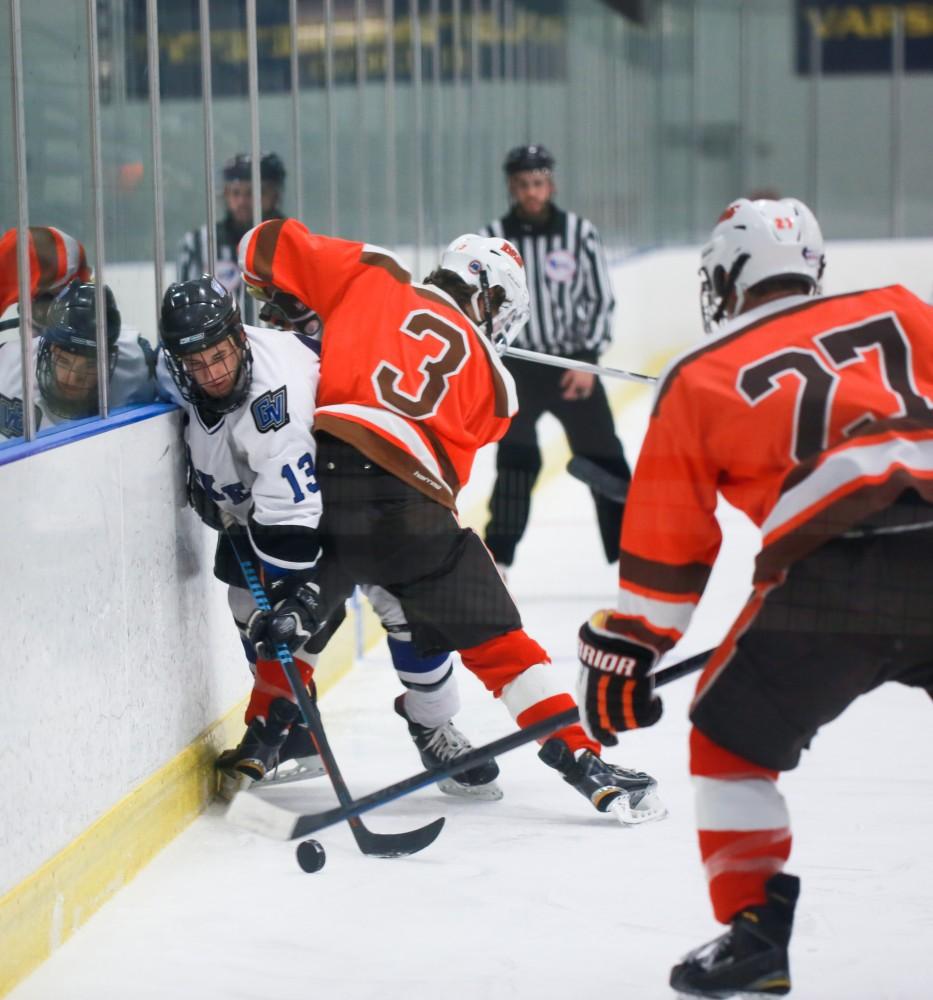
{"points": [[411, 387], [55, 259], [813, 415]]}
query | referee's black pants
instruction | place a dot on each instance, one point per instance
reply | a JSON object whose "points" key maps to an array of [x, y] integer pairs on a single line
{"points": [[590, 430]]}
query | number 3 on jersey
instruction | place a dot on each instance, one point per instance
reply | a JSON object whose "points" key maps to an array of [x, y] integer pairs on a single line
{"points": [[304, 482], [436, 370]]}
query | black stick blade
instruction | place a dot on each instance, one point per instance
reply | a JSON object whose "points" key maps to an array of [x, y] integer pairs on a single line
{"points": [[397, 845]]}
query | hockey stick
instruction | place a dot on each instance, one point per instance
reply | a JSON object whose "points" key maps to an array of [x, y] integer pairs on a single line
{"points": [[578, 366], [380, 845], [263, 816], [600, 480]]}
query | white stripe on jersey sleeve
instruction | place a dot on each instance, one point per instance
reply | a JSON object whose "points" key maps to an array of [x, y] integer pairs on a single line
{"points": [[842, 468], [664, 616]]}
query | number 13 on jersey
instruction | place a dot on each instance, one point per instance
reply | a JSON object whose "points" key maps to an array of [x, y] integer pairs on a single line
{"points": [[303, 482]]}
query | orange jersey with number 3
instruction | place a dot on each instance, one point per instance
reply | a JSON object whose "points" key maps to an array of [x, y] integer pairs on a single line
{"points": [[807, 414], [405, 377]]}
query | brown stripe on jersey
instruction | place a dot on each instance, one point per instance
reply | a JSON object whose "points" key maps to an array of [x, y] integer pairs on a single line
{"points": [[719, 342], [687, 579], [402, 464], [436, 297], [264, 250], [648, 637], [387, 263], [443, 459], [46, 255], [834, 519]]}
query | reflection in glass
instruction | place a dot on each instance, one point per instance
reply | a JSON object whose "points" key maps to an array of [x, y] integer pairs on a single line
{"points": [[64, 348]]}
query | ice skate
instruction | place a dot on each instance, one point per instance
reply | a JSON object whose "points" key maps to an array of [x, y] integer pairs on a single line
{"points": [[298, 758], [443, 744], [750, 959], [628, 795], [259, 751]]}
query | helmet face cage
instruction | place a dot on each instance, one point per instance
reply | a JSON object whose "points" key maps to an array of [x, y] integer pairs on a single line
{"points": [[193, 392], [196, 316], [66, 360], [755, 242], [485, 263]]}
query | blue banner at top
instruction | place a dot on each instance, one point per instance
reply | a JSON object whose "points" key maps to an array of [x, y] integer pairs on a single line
{"points": [[454, 44], [858, 37]]}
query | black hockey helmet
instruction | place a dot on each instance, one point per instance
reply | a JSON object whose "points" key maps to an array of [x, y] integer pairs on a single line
{"points": [[197, 315], [240, 168], [532, 157], [71, 329]]}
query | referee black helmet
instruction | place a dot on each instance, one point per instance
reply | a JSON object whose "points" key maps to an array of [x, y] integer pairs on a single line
{"points": [[532, 157]]}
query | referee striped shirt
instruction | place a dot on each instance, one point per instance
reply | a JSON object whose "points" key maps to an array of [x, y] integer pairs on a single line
{"points": [[568, 281]]}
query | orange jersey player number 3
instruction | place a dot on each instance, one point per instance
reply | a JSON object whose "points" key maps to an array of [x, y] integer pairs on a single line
{"points": [[436, 369]]}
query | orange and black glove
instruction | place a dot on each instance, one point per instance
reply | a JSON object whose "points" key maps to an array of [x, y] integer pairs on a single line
{"points": [[615, 688]]}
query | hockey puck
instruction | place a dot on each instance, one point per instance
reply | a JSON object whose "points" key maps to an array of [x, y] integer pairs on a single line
{"points": [[311, 856]]}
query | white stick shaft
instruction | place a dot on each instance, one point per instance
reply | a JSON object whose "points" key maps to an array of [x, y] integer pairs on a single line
{"points": [[578, 366]]}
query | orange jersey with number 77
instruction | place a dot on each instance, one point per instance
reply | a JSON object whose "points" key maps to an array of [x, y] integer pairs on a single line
{"points": [[809, 415], [405, 377]]}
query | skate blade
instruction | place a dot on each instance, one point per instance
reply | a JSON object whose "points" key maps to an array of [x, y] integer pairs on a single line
{"points": [[490, 792], [300, 769], [650, 809]]}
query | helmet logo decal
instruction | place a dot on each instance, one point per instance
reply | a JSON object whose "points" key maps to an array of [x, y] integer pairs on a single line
{"points": [[512, 252], [729, 212], [475, 266], [782, 222]]}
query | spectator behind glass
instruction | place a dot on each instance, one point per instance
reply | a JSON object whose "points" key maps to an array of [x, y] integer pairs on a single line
{"points": [[237, 220], [64, 346]]}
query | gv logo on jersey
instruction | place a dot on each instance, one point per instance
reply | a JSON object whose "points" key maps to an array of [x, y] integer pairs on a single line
{"points": [[270, 410], [560, 266], [11, 417]]}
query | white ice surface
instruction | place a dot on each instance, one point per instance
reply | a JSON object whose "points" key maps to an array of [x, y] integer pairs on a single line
{"points": [[536, 897]]}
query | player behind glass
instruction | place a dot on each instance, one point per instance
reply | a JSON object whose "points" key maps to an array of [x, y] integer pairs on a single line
{"points": [[66, 362], [814, 416], [411, 387], [248, 396]]}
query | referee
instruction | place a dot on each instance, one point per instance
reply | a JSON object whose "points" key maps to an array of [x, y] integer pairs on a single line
{"points": [[236, 222], [571, 317]]}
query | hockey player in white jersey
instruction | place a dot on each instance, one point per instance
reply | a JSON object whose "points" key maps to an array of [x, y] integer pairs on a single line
{"points": [[65, 350], [248, 396]]}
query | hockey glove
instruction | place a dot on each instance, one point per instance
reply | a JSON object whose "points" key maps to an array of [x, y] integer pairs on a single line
{"points": [[615, 687], [296, 615]]}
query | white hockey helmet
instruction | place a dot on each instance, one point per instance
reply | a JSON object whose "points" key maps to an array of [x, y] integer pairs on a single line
{"points": [[484, 263], [755, 241]]}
